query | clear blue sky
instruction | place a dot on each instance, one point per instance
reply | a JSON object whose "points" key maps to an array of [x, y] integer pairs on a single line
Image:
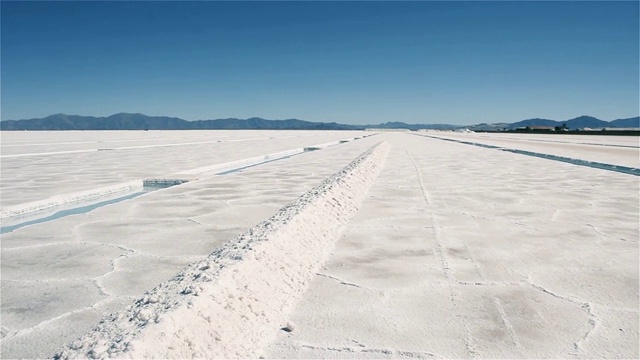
{"points": [[354, 62]]}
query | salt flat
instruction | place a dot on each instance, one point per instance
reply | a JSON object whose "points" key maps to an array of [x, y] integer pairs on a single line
{"points": [[456, 251], [59, 277], [38, 165], [616, 150], [475, 252]]}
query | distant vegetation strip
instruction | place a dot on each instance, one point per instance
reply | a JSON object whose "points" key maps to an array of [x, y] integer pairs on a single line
{"points": [[126, 121]]}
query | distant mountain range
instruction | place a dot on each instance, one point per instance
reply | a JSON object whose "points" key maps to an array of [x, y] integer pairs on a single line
{"points": [[580, 122], [126, 121]]}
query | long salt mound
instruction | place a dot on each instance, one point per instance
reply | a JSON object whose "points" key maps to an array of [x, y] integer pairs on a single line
{"points": [[81, 196], [233, 303]]}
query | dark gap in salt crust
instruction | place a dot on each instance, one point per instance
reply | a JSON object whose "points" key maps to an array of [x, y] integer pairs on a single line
{"points": [[591, 164], [149, 185], [227, 172]]}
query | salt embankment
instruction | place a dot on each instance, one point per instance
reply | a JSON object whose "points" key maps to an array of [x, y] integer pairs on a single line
{"points": [[234, 302], [76, 197]]}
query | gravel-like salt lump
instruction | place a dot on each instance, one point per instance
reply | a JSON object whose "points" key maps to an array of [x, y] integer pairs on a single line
{"points": [[234, 302]]}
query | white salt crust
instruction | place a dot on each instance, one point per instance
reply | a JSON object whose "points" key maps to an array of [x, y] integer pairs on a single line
{"points": [[81, 196], [233, 303]]}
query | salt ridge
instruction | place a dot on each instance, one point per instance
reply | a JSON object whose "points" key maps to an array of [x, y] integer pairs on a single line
{"points": [[233, 303], [81, 196]]}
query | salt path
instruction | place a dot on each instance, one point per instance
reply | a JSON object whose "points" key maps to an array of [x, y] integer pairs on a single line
{"points": [[419, 248]]}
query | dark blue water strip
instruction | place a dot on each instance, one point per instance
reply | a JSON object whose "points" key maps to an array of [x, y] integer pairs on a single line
{"points": [[306, 149], [227, 172], [581, 143], [149, 185], [68, 212], [591, 164]]}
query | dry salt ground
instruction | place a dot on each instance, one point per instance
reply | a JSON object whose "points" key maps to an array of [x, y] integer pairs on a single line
{"points": [[71, 161], [391, 246]]}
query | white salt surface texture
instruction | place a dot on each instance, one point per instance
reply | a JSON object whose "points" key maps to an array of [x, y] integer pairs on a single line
{"points": [[456, 251], [477, 253], [39, 165], [228, 305], [615, 150], [76, 269]]}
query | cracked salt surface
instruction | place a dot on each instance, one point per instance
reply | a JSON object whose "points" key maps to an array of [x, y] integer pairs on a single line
{"points": [[244, 287], [122, 250], [68, 212], [581, 162], [473, 253], [455, 252], [79, 203], [93, 169], [33, 213], [615, 153]]}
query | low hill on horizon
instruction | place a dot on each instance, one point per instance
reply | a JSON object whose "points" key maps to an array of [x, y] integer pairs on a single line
{"points": [[579, 122], [137, 121]]}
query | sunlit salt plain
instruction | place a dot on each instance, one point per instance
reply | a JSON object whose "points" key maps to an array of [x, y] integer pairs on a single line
{"points": [[432, 248]]}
